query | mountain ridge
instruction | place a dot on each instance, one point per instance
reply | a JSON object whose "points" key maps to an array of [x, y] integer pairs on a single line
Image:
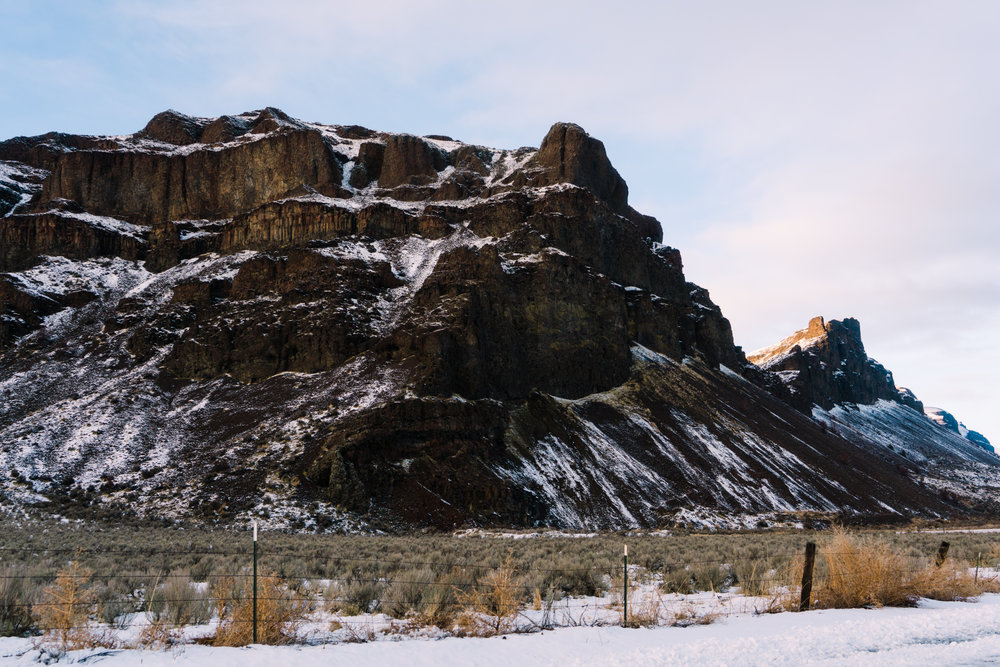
{"points": [[334, 327]]}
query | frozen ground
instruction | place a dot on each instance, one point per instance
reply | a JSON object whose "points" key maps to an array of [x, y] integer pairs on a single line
{"points": [[949, 633]]}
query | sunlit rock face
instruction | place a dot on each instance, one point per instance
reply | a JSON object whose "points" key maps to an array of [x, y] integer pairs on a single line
{"points": [[826, 364]]}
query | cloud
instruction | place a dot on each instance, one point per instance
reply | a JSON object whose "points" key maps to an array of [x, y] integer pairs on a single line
{"points": [[807, 158]]}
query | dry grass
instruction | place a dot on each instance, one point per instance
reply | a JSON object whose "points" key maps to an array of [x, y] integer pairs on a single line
{"points": [[444, 580], [644, 610], [864, 571], [439, 601], [689, 614], [861, 572], [279, 613], [65, 608], [491, 606], [15, 603], [950, 581]]}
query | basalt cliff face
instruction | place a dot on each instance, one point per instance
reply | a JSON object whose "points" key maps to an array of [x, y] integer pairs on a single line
{"points": [[826, 364], [330, 326], [829, 374]]}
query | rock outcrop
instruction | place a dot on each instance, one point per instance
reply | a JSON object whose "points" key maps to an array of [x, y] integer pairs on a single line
{"points": [[146, 187], [946, 420], [403, 330], [825, 367], [68, 232], [826, 364]]}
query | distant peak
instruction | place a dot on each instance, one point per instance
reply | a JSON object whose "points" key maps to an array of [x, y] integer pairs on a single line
{"points": [[825, 364]]}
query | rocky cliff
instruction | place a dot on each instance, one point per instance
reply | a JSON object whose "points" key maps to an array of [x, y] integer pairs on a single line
{"points": [[826, 364], [947, 421], [335, 326], [829, 375]]}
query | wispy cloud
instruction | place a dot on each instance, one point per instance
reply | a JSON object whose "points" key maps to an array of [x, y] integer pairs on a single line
{"points": [[808, 158]]}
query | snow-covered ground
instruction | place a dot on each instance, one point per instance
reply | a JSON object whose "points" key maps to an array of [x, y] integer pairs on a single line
{"points": [[933, 633]]}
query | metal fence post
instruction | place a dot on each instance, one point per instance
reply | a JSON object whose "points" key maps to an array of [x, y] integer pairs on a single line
{"points": [[625, 590], [254, 582]]}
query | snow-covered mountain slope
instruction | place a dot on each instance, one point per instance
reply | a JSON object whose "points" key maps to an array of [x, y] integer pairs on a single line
{"points": [[854, 396], [326, 325]]}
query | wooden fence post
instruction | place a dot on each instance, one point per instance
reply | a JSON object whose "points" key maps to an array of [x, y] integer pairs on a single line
{"points": [[941, 554], [807, 576]]}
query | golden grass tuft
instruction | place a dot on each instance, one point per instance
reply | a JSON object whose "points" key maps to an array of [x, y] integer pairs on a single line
{"points": [[950, 581], [63, 613], [865, 571], [862, 571], [279, 613], [491, 607]]}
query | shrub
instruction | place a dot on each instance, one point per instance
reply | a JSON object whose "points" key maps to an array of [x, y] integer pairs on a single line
{"points": [[863, 571], [279, 615], [64, 609], [182, 602], [439, 601], [406, 592], [950, 581], [491, 606], [16, 596]]}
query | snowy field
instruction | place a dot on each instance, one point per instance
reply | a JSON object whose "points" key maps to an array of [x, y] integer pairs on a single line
{"points": [[942, 633]]}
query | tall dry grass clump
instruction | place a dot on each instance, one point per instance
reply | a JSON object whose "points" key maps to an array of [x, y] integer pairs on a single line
{"points": [[492, 605], [16, 598], [863, 571], [949, 581], [63, 612], [279, 612]]}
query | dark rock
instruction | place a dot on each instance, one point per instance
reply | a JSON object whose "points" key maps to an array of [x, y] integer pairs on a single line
{"points": [[438, 351], [466, 347], [225, 128], [294, 222], [271, 119], [409, 160], [21, 311], [356, 132], [471, 158], [826, 364], [152, 187], [172, 127], [232, 336], [431, 458], [43, 151], [569, 155], [25, 237], [459, 185], [979, 439], [907, 398], [368, 166]]}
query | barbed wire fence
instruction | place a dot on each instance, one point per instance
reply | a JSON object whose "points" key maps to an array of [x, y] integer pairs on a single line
{"points": [[252, 601]]}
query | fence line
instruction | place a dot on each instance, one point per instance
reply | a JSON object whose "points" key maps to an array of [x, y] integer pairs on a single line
{"points": [[608, 580]]}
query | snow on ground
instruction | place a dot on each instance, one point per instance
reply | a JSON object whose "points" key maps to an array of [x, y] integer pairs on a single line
{"points": [[932, 633]]}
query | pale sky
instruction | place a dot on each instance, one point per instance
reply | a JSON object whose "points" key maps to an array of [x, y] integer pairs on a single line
{"points": [[807, 158]]}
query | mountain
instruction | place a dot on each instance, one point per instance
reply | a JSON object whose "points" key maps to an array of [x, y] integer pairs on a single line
{"points": [[946, 420], [829, 374], [328, 326], [826, 364]]}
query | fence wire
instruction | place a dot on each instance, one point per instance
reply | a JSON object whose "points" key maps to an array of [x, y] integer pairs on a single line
{"points": [[532, 597]]}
